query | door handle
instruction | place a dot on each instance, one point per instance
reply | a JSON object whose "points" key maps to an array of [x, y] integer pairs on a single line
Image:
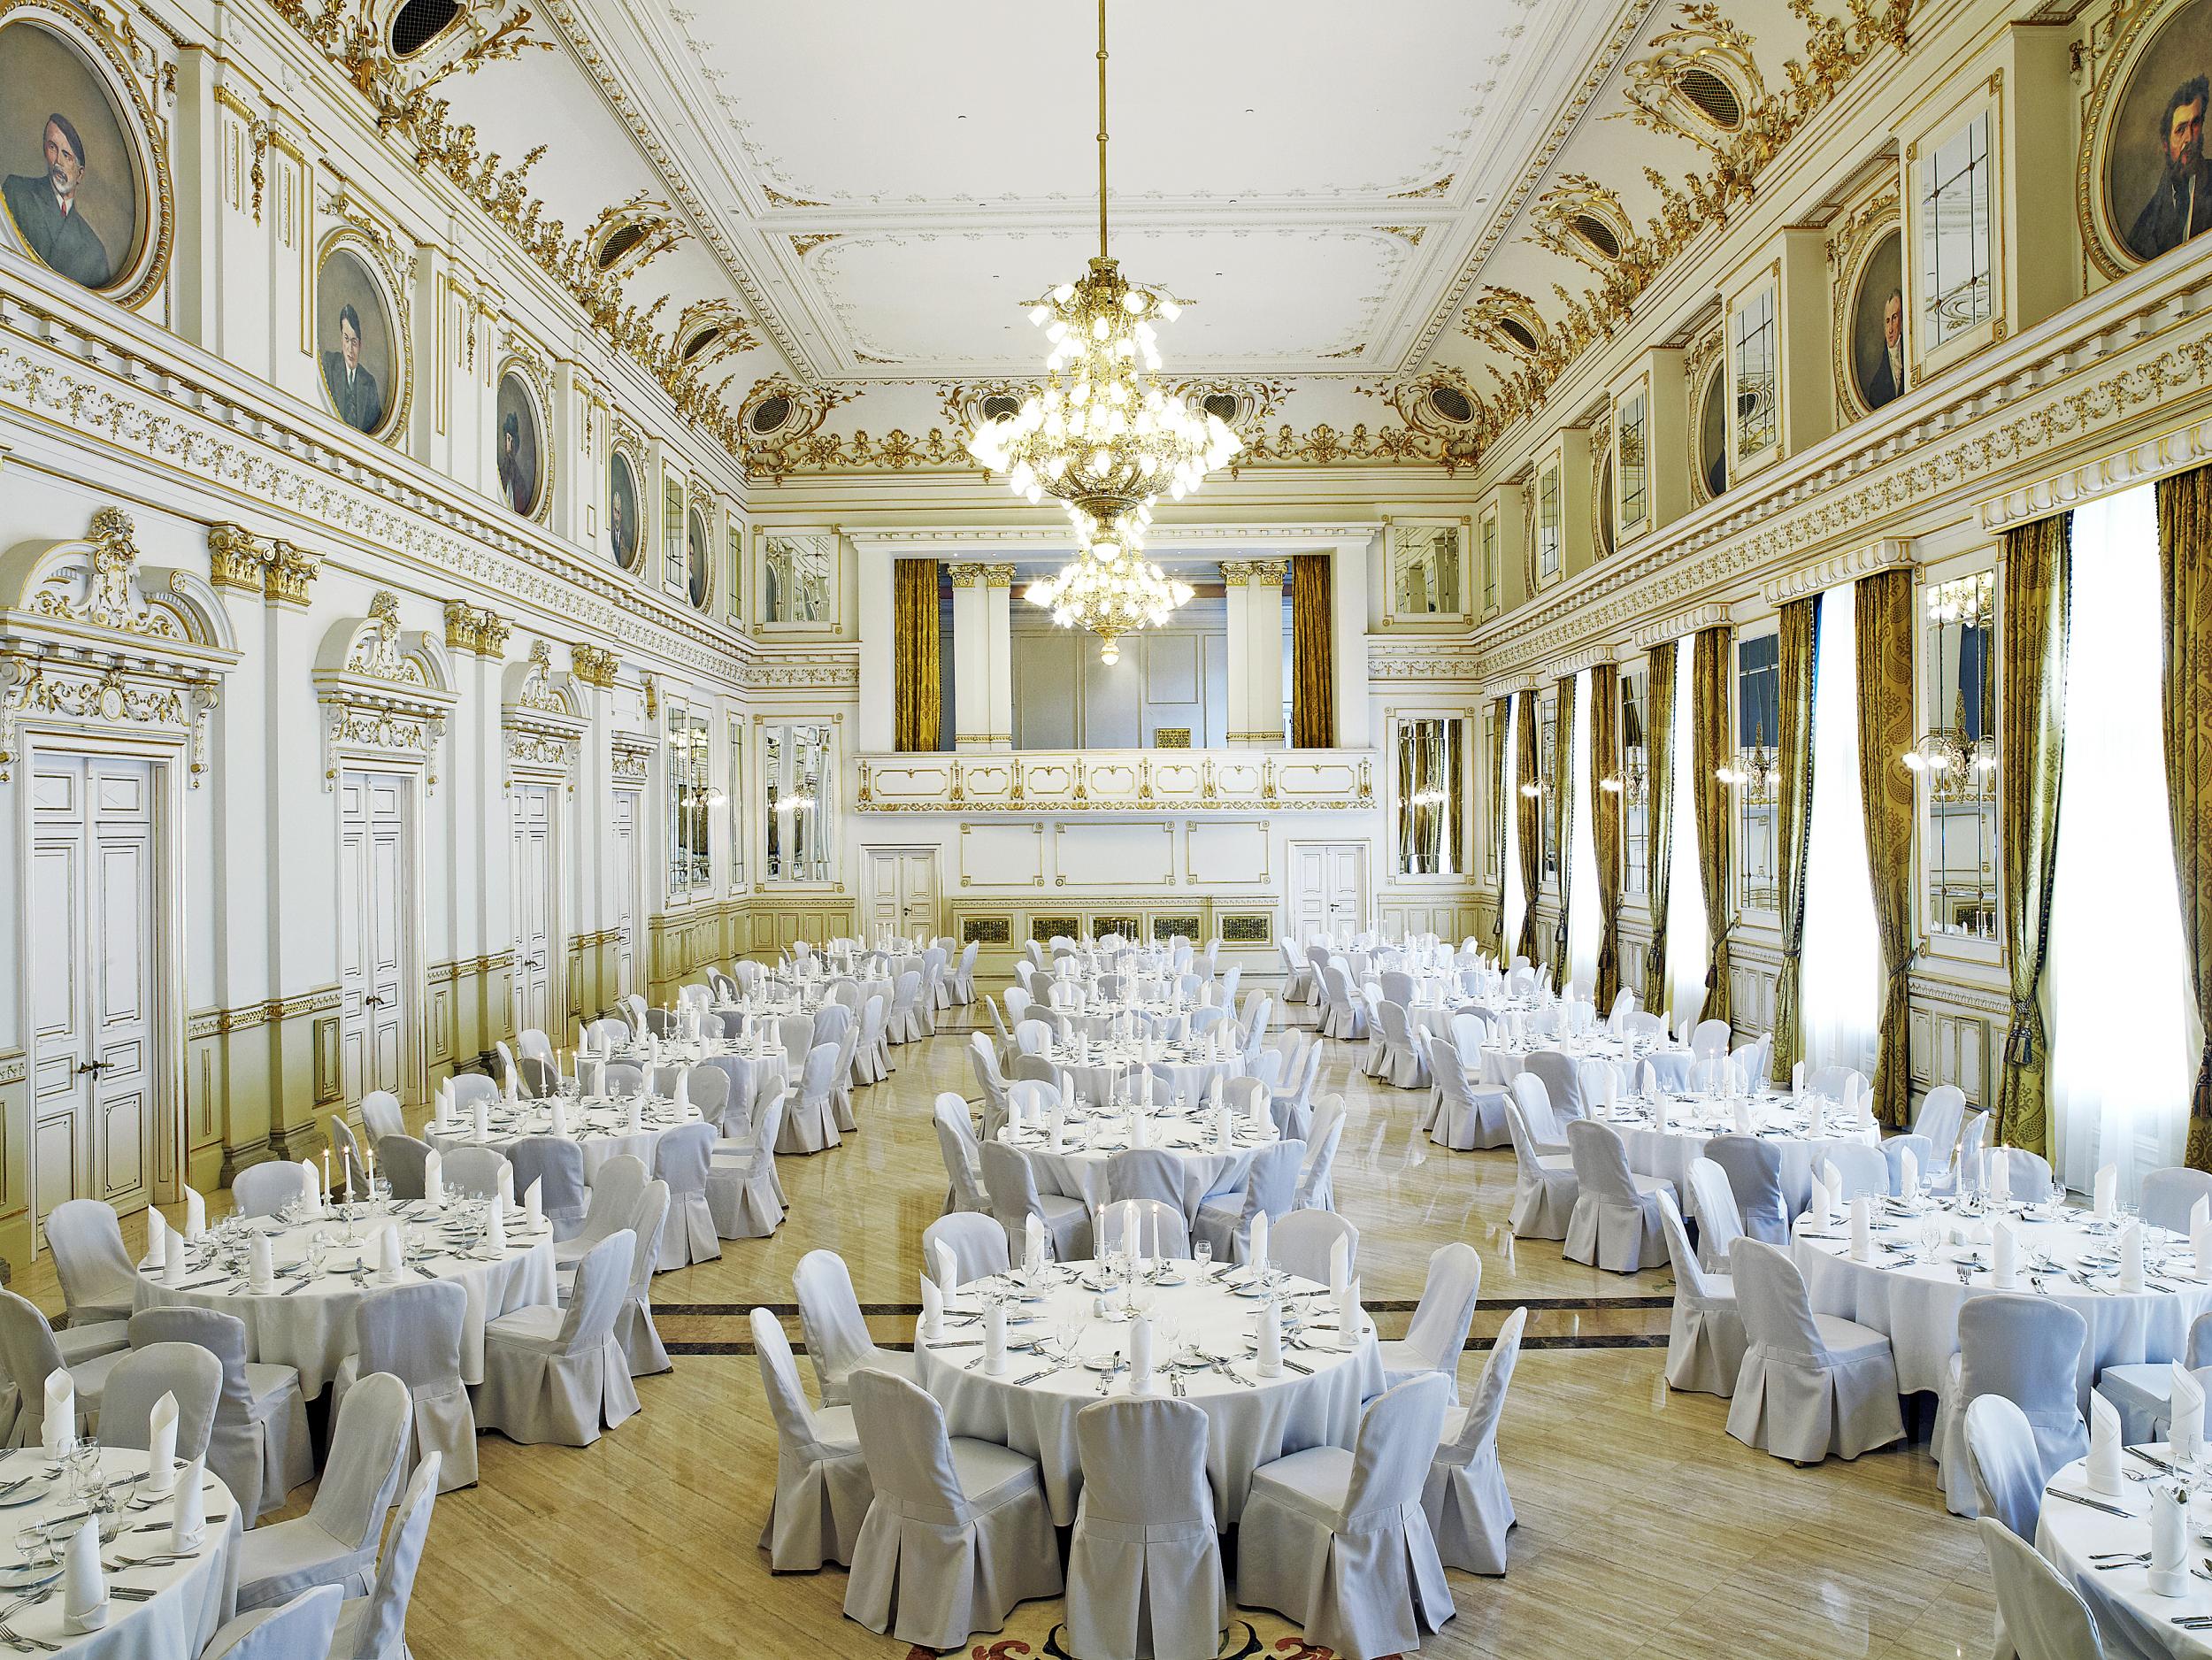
{"points": [[94, 1067], [371, 1002]]}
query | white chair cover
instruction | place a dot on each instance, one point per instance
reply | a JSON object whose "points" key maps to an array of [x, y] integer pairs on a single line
{"points": [[635, 1332], [2008, 1470], [614, 1196], [1302, 1243], [552, 1374], [1711, 1038], [29, 1355], [1705, 1339], [1316, 1188], [1339, 1541], [557, 1163], [2028, 1349], [1811, 1385], [809, 1122], [822, 1486], [1270, 1185], [1864, 1168], [334, 1543], [2143, 1391], [374, 1627], [1151, 1173], [1159, 1229], [1614, 1223], [1014, 1199], [1545, 1188], [958, 1534], [1437, 1333], [742, 1193], [837, 1340], [402, 1161], [1400, 1066], [1561, 1074], [978, 1244], [142, 1377], [1718, 1226], [381, 1115], [413, 1333], [680, 1159], [265, 1188], [98, 1278], [1754, 1168], [260, 1446], [303, 1626], [1466, 1118], [2169, 1195], [1464, 1495], [1144, 1569], [479, 1172], [2043, 1617]]}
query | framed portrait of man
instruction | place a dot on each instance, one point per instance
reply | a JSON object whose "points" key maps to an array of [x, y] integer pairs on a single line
{"points": [[1876, 328], [2147, 189], [358, 348], [81, 185], [519, 443], [698, 560], [624, 533]]}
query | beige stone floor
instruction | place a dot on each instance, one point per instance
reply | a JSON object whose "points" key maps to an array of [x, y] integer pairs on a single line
{"points": [[1644, 1529]]}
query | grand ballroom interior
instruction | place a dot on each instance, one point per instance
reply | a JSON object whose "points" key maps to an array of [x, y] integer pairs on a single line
{"points": [[1105, 829]]}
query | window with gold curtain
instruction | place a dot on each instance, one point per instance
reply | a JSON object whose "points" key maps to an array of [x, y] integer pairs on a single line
{"points": [[1886, 625], [1500, 713], [915, 667], [1605, 815], [1710, 664], [1532, 821], [1659, 840], [1562, 818], [1313, 652], [1800, 638], [2185, 561]]}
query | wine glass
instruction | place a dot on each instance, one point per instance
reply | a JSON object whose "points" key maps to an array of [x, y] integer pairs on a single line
{"points": [[1202, 1254]]}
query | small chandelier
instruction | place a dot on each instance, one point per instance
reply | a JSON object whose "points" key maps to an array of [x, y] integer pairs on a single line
{"points": [[1102, 437], [1754, 771]]}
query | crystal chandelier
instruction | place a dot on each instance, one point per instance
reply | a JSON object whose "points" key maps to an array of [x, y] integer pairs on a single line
{"points": [[1101, 437]]}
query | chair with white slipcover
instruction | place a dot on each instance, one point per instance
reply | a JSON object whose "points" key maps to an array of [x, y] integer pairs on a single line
{"points": [[1615, 1222], [635, 1332], [1271, 1186], [402, 1160], [870, 1065], [99, 1281], [1942, 1111], [556, 1163], [614, 1196], [381, 1115], [1545, 1188], [743, 1195], [1811, 1385], [962, 1157], [1302, 1243], [983, 1060], [188, 1374], [822, 1488], [302, 1629], [2028, 1349], [265, 1188], [413, 1333], [1400, 1065], [1894, 1150], [334, 1543], [1317, 1189], [1561, 1074], [809, 1122], [959, 1532], [1437, 1333], [2043, 1617], [1464, 1498], [1152, 1172], [2008, 1470], [1711, 1038], [479, 1172], [1338, 1541], [2142, 1390], [978, 1244], [1292, 1103], [1144, 1568], [554, 1374], [1546, 1125], [260, 1446], [1861, 1167], [905, 1022], [1719, 1225], [374, 1627], [1012, 1187], [837, 1340], [1705, 1339], [30, 1354], [1754, 1168], [681, 1158], [2023, 1174], [1468, 1116], [2169, 1195]]}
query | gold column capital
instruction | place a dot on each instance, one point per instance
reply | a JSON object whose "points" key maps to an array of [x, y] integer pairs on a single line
{"points": [[998, 575], [1269, 572], [476, 629], [594, 665], [967, 574], [236, 558], [292, 571]]}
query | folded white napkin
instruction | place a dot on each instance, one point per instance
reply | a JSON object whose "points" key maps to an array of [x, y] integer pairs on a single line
{"points": [[1141, 1356], [1816, 1211], [933, 1311], [156, 1241], [534, 1205], [1907, 1171], [1013, 1112], [442, 1106], [389, 1255], [2131, 1257], [1269, 1363], [188, 1512], [1797, 1078], [434, 1179], [2103, 1473], [948, 1272], [683, 1094], [2169, 1574], [2185, 1435], [60, 1424], [2108, 1191], [494, 1225], [633, 1119], [1067, 1087], [1056, 1140], [2200, 1237], [1741, 1110], [1258, 1239], [1214, 1090], [1340, 1268], [1034, 1244], [84, 1584], [1834, 1177], [261, 1257], [994, 1338], [1817, 1122], [161, 1445], [480, 1119], [1862, 1229], [2003, 1265], [1139, 1130], [557, 1115], [194, 1213], [172, 1263]]}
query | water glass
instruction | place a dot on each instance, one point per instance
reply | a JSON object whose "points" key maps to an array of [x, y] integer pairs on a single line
{"points": [[1202, 1254]]}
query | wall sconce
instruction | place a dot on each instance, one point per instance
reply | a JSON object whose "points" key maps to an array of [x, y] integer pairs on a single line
{"points": [[1633, 782]]}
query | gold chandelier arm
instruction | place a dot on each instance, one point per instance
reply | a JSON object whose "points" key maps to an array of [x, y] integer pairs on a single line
{"points": [[1102, 129]]}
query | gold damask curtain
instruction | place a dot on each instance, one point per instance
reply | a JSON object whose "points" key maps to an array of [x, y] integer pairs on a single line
{"points": [[916, 665], [1799, 644], [1532, 825], [1501, 711], [1659, 817], [1883, 611], [1711, 750], [1605, 822], [1313, 652], [2030, 768], [1563, 778], [2184, 559]]}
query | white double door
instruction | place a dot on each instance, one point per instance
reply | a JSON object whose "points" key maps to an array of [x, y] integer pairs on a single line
{"points": [[1328, 889], [901, 891], [537, 889], [629, 878], [94, 963], [375, 872]]}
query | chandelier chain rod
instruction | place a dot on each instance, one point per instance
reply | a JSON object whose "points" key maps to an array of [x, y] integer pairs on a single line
{"points": [[1102, 129]]}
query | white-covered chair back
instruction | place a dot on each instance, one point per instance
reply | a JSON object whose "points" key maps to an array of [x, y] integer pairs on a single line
{"points": [[1438, 1330], [2006, 1468], [98, 1277], [381, 1115], [2044, 1617], [978, 1244], [383, 1627], [1719, 1225], [1302, 1243], [265, 1188]]}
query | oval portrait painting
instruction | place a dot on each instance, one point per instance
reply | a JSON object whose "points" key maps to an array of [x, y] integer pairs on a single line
{"points": [[356, 345], [1712, 435], [2157, 190], [1877, 325], [622, 520], [72, 172], [699, 560], [519, 446]]}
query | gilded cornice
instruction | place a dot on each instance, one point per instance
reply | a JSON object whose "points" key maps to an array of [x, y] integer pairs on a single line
{"points": [[1833, 569], [1321, 445]]}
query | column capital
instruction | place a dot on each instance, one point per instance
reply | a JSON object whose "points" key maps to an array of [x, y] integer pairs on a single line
{"points": [[292, 570], [475, 628], [279, 572], [966, 573], [594, 665], [998, 575]]}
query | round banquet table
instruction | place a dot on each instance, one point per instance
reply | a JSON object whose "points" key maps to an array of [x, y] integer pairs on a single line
{"points": [[1104, 1068], [1078, 1170], [1693, 1120], [2134, 1622], [1914, 1295], [1502, 1063], [191, 1600], [598, 1124], [1251, 1420], [311, 1327], [753, 1066]]}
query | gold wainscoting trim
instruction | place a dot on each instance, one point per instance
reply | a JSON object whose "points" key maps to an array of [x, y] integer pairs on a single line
{"points": [[15, 1068]]}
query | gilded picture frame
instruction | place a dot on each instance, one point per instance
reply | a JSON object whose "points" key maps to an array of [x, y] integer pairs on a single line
{"points": [[2158, 54]]}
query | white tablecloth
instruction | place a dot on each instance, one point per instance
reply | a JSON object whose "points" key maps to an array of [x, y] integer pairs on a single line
{"points": [[1917, 1301], [1080, 1170], [1692, 1121], [1503, 1063], [193, 1599], [1250, 1424], [313, 1329], [2133, 1621], [597, 1127], [1114, 1066]]}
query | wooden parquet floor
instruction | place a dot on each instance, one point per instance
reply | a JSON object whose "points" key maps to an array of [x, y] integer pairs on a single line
{"points": [[1644, 1529]]}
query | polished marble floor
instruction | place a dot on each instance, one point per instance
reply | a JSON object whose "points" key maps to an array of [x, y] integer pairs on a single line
{"points": [[1644, 1529]]}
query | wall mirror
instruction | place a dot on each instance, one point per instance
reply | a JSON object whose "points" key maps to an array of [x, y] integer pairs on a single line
{"points": [[1547, 784], [798, 578], [799, 788], [1758, 728], [1956, 757], [735, 800], [1427, 561], [1755, 361], [1633, 782], [1432, 797], [690, 802]]}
